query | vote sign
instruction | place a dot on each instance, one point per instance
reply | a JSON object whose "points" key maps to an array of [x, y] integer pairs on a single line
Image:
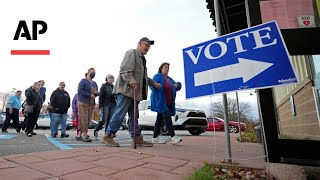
{"points": [[248, 59]]}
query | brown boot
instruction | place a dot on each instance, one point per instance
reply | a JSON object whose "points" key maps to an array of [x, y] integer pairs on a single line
{"points": [[141, 143], [108, 140]]}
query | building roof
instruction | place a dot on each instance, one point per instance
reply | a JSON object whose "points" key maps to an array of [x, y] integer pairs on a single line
{"points": [[232, 15]]}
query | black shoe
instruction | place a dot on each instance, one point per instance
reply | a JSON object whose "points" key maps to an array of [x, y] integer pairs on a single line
{"points": [[33, 133], [63, 135], [29, 134], [86, 139], [53, 135], [79, 138], [4, 131]]}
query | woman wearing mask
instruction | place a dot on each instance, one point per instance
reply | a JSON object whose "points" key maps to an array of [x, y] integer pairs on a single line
{"points": [[163, 102], [33, 98], [87, 92]]}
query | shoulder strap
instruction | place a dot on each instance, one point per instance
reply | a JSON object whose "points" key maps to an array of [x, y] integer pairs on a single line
{"points": [[37, 98]]}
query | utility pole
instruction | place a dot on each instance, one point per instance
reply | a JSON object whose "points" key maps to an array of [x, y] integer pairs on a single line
{"points": [[224, 96]]}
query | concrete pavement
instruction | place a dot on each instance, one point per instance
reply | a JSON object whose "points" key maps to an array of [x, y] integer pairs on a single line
{"points": [[88, 163], [19, 143], [159, 162]]}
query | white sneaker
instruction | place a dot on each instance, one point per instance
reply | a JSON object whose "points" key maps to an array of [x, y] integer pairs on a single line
{"points": [[157, 140], [175, 140]]}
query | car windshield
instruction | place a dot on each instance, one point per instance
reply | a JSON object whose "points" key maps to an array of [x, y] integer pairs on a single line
{"points": [[218, 119], [210, 120]]}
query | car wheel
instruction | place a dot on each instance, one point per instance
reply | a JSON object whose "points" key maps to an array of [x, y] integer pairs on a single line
{"points": [[233, 129], [195, 132], [164, 131]]}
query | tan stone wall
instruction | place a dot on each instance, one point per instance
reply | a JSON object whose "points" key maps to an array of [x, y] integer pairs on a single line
{"points": [[305, 124]]}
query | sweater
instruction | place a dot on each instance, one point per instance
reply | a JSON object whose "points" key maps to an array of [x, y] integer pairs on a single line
{"points": [[60, 101]]}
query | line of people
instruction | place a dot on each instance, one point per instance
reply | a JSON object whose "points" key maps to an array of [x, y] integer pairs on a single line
{"points": [[115, 101], [133, 77], [35, 96]]}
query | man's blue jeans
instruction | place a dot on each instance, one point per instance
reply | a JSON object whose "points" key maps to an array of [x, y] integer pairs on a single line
{"points": [[124, 105], [56, 119]]}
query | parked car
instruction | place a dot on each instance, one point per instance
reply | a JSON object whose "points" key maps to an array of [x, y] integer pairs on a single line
{"points": [[217, 124], [2, 118], [195, 121], [44, 122], [93, 124]]}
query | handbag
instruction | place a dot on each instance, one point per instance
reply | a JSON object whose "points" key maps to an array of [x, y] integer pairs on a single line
{"points": [[29, 108]]}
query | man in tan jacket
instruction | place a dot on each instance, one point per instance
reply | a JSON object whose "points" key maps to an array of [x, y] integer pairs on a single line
{"points": [[132, 75]]}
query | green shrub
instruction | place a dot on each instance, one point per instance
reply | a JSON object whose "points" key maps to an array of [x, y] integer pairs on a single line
{"points": [[204, 173], [248, 137], [211, 171]]}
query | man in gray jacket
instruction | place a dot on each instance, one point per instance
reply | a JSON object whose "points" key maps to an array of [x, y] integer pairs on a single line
{"points": [[132, 75]]}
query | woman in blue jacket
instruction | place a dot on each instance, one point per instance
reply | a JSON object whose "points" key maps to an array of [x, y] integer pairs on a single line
{"points": [[87, 92], [163, 102]]}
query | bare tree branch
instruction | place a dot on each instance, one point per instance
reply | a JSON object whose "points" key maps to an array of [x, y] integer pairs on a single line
{"points": [[216, 109]]}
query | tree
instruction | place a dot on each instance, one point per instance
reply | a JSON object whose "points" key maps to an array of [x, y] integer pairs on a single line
{"points": [[4, 96], [216, 109]]}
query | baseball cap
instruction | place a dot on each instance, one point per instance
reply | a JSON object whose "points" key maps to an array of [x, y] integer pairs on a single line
{"points": [[146, 39]]}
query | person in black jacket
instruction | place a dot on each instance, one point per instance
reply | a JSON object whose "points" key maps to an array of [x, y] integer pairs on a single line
{"points": [[107, 104], [42, 91], [33, 98], [60, 102]]}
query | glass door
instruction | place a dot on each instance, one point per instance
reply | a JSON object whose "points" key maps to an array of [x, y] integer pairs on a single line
{"points": [[316, 70]]}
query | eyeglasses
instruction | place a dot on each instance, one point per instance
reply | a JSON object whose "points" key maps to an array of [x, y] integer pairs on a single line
{"points": [[147, 44]]}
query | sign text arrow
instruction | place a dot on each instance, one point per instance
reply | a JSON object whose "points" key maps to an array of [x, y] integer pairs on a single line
{"points": [[245, 69]]}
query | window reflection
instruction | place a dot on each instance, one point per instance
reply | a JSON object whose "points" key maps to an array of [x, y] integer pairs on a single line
{"points": [[316, 63]]}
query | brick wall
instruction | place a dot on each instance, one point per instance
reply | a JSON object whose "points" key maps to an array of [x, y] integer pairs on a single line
{"points": [[305, 124]]}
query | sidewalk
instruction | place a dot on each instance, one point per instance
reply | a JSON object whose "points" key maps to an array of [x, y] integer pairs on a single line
{"points": [[161, 161]]}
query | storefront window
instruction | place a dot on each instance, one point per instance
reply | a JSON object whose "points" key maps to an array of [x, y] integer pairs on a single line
{"points": [[297, 105], [316, 63], [289, 14]]}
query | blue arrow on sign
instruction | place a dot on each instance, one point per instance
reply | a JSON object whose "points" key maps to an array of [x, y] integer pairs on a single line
{"points": [[248, 59]]}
